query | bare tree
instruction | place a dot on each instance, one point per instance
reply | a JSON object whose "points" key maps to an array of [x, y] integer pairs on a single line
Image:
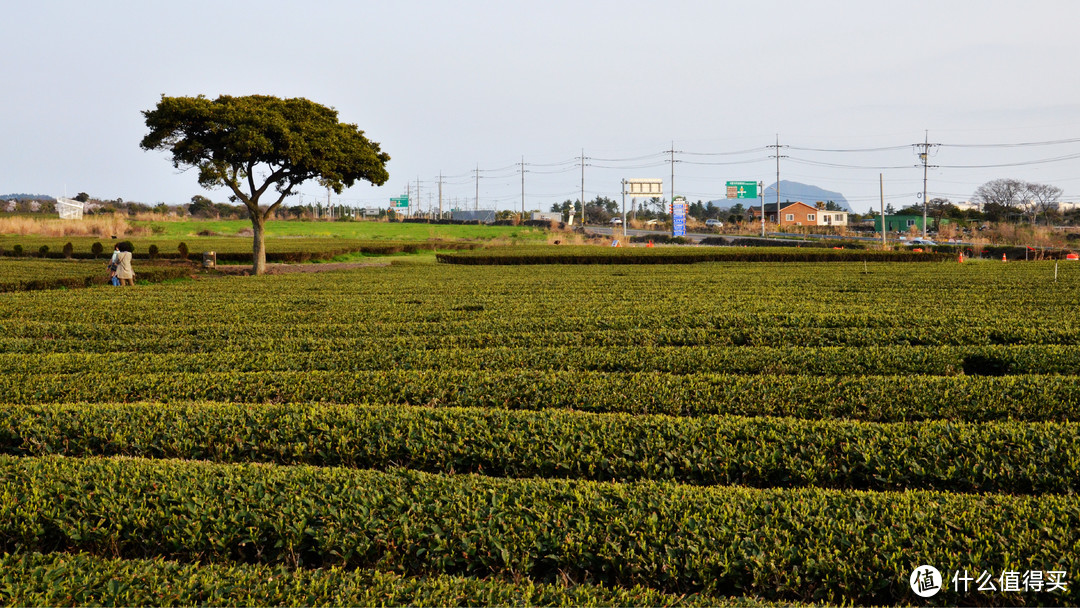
{"points": [[1042, 199], [1008, 193]]}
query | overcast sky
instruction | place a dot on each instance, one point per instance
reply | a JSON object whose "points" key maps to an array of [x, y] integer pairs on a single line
{"points": [[454, 86]]}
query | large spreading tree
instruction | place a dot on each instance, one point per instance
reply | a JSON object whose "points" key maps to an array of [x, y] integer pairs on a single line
{"points": [[258, 144]]}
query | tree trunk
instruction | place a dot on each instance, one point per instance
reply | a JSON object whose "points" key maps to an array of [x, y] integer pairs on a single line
{"points": [[259, 246]]}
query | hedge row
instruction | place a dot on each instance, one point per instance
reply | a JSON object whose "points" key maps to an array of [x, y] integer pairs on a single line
{"points": [[672, 255], [810, 361], [82, 579], [324, 252], [21, 334], [807, 544], [1021, 458], [870, 398], [777, 242], [154, 274]]}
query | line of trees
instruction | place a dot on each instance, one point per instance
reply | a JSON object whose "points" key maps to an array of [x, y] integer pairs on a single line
{"points": [[999, 201], [1007, 199], [601, 209]]}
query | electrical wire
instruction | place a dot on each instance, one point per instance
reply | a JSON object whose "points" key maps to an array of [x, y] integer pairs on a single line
{"points": [[631, 159], [725, 163], [845, 150], [1017, 164], [1055, 142], [503, 177], [659, 164], [566, 170], [747, 151], [843, 166]]}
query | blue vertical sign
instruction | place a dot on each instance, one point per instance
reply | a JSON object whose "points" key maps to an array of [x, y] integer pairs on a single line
{"points": [[678, 216]]}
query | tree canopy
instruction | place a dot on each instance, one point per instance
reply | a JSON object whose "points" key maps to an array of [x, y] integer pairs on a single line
{"points": [[256, 143]]}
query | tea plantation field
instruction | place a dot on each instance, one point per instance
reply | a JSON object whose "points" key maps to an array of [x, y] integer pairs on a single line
{"points": [[721, 433]]}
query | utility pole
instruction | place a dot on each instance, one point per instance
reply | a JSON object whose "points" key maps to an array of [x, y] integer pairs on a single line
{"points": [[623, 206], [440, 195], [523, 188], [418, 199], [881, 179], [671, 197], [476, 201], [777, 156], [672, 151], [583, 188], [924, 156], [761, 192]]}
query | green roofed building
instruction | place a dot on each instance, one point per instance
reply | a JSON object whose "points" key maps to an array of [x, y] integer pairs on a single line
{"points": [[903, 223]]}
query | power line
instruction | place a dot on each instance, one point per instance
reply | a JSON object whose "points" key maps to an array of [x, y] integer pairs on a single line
{"points": [[748, 151], [1054, 142], [1016, 164], [727, 163], [499, 177], [845, 150], [631, 159], [817, 163]]}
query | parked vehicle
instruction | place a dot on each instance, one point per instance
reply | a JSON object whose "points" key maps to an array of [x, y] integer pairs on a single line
{"points": [[714, 223], [616, 221]]}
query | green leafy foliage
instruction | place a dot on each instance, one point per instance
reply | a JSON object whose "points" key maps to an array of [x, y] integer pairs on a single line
{"points": [[677, 255], [231, 140], [675, 539], [32, 275], [774, 431], [298, 139], [84, 579], [709, 450], [871, 398]]}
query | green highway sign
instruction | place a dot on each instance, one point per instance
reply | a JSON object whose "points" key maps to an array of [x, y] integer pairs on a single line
{"points": [[400, 201], [742, 189]]}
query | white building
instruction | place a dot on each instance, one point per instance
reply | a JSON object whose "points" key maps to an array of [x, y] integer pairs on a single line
{"points": [[831, 218]]}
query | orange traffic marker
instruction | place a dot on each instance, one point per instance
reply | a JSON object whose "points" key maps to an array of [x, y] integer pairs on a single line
{"points": [[1003, 258]]}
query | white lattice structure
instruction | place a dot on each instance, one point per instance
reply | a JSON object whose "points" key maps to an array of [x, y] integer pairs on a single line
{"points": [[69, 209]]}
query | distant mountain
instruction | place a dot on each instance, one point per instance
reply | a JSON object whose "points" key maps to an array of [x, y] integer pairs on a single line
{"points": [[791, 191], [794, 191]]}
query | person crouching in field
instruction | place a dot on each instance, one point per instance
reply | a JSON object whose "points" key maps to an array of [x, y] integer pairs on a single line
{"points": [[123, 268]]}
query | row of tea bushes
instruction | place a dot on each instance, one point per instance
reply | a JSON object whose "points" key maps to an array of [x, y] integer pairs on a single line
{"points": [[871, 398], [82, 579], [314, 247], [808, 361], [561, 409], [1005, 457], [806, 544], [676, 255], [31, 276]]}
